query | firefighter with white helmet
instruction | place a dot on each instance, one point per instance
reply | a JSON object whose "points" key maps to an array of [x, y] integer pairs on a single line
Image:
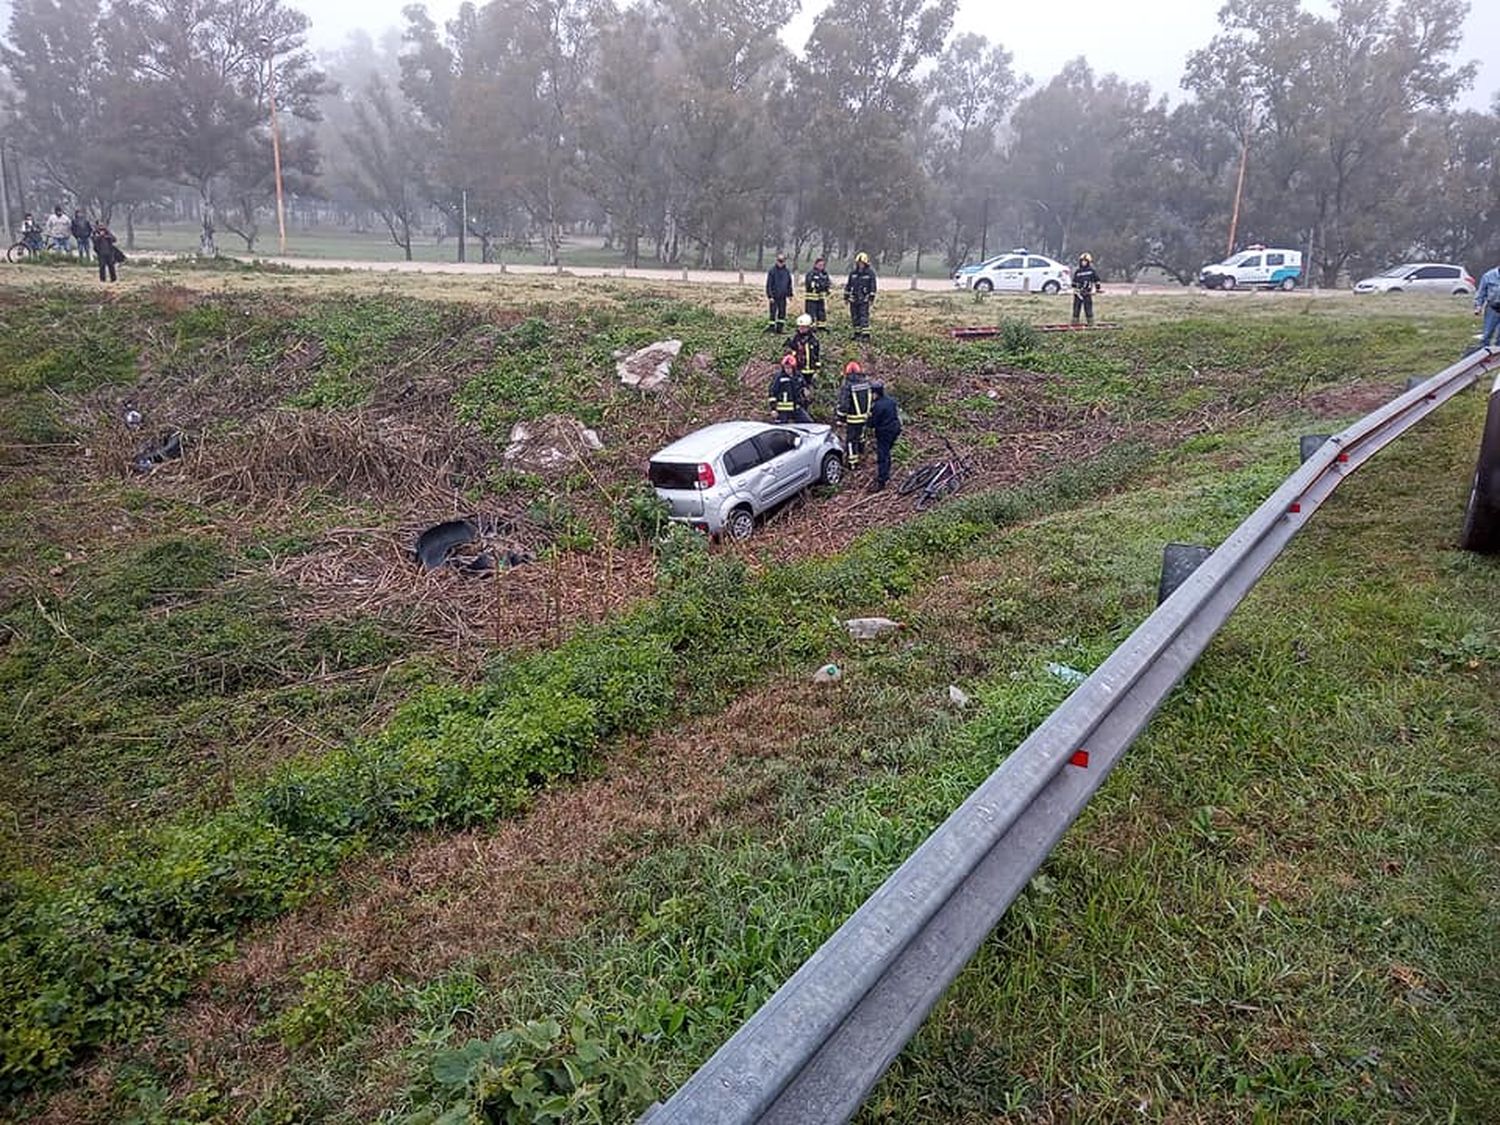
{"points": [[804, 344]]}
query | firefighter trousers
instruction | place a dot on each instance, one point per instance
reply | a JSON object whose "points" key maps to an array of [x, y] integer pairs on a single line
{"points": [[854, 441]]}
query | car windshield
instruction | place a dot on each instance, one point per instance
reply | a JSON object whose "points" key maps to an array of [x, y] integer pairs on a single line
{"points": [[1395, 271], [673, 475]]}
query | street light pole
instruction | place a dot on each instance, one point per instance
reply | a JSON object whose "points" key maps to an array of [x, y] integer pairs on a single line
{"points": [[275, 144]]}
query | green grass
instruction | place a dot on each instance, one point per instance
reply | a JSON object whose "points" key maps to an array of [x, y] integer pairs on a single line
{"points": [[1282, 906], [137, 688]]}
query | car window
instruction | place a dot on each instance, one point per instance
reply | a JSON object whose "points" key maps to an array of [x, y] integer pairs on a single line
{"points": [[1237, 260], [1433, 273], [1038, 264], [1252, 262], [773, 443], [673, 475], [1275, 259], [1010, 264], [1394, 271], [741, 458]]}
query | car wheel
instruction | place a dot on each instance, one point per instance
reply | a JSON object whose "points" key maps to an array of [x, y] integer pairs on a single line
{"points": [[1288, 284], [740, 525], [1228, 283], [1460, 292], [1394, 289], [1051, 287], [833, 470], [983, 285]]}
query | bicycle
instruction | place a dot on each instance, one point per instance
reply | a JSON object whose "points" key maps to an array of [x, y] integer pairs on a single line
{"points": [[933, 482], [23, 248]]}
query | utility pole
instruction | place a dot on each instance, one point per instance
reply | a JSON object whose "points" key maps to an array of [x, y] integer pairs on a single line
{"points": [[1239, 191], [463, 222], [4, 193], [275, 144]]}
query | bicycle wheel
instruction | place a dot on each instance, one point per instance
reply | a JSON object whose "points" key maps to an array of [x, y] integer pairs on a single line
{"points": [[918, 478], [945, 485], [18, 251]]}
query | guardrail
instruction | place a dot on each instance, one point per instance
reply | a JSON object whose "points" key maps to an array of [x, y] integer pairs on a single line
{"points": [[816, 1048]]}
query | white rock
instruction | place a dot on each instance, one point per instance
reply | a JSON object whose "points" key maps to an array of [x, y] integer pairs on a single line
{"points": [[828, 674], [649, 367], [868, 628], [957, 696], [551, 442]]}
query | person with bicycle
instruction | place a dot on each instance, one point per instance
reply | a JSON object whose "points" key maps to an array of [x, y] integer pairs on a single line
{"points": [[31, 234], [885, 420], [855, 400], [1085, 285]]}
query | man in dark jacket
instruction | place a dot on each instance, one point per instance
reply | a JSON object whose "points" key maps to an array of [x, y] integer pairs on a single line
{"points": [[856, 396], [83, 232], [885, 420], [789, 393], [106, 251], [778, 292], [1085, 285], [815, 289], [805, 345], [859, 291]]}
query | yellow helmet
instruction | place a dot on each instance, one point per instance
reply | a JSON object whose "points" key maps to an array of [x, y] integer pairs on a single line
{"points": [[861, 259], [1086, 258]]}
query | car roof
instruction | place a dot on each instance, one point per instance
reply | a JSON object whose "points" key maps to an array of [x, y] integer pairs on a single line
{"points": [[710, 441]]}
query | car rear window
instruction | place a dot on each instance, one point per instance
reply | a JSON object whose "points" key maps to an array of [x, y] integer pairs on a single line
{"points": [[678, 475]]}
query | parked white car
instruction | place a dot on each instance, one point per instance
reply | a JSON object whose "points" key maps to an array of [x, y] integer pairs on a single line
{"points": [[722, 478], [1015, 271], [1420, 277], [1258, 267]]}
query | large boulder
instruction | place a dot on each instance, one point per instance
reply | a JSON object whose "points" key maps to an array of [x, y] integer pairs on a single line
{"points": [[552, 443], [649, 368]]}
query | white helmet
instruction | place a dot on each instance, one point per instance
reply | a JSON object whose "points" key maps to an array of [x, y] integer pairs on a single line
{"points": [[804, 321]]}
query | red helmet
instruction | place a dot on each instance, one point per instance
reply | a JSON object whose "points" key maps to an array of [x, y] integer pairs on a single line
{"points": [[789, 360], [853, 368]]}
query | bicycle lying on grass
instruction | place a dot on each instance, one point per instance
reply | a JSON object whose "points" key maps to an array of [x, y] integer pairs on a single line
{"points": [[933, 482]]}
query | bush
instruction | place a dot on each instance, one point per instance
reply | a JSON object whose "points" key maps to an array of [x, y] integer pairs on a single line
{"points": [[1018, 337], [642, 517]]}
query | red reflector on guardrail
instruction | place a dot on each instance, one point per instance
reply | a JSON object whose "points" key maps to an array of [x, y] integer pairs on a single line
{"points": [[1080, 758]]}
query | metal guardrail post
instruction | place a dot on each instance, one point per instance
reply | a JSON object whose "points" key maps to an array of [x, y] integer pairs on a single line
{"points": [[816, 1048], [1481, 531]]}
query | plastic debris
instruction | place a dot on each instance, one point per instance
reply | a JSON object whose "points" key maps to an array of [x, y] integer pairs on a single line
{"points": [[869, 628], [1065, 674], [957, 696]]}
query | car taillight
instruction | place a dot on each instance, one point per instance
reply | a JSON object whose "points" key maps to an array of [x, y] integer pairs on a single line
{"points": [[705, 475], [1470, 279]]}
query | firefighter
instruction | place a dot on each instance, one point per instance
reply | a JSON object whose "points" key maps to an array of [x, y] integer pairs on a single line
{"points": [[789, 393], [855, 399], [885, 420], [778, 292], [859, 292], [816, 286], [1085, 285], [806, 346]]}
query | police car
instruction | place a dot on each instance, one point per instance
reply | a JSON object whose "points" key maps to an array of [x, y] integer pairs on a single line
{"points": [[1256, 267]]}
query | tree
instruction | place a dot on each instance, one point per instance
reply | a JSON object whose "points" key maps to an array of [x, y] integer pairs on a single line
{"points": [[386, 171], [201, 72], [78, 120]]}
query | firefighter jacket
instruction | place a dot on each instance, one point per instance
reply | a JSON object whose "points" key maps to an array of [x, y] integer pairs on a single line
{"points": [[1085, 280], [860, 288], [817, 284], [788, 392], [778, 282], [855, 399], [808, 350]]}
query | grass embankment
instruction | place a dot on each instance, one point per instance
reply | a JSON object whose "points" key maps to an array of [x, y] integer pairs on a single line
{"points": [[1283, 905], [91, 957]]}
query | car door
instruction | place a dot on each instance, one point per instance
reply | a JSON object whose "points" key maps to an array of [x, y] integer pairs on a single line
{"points": [[1435, 279], [782, 473], [1253, 271], [1038, 272], [1008, 273], [742, 463]]}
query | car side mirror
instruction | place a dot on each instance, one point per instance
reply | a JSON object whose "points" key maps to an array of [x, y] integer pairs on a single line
{"points": [[797, 441]]}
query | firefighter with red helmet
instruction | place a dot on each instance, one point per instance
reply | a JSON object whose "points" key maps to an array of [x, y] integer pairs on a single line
{"points": [[855, 400], [788, 393]]}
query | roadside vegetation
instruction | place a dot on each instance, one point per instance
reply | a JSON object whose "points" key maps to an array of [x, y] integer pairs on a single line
{"points": [[231, 698]]}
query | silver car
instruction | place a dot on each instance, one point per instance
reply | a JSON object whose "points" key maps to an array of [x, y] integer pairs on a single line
{"points": [[722, 478], [1419, 277]]}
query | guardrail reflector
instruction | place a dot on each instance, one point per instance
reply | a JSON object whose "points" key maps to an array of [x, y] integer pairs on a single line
{"points": [[1080, 758]]}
